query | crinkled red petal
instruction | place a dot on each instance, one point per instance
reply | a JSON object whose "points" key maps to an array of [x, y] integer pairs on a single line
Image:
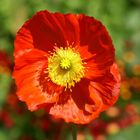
{"points": [[108, 87], [45, 30], [32, 56], [28, 76], [88, 99], [96, 47], [78, 106]]}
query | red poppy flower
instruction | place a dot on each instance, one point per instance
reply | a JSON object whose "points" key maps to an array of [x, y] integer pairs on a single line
{"points": [[66, 62]]}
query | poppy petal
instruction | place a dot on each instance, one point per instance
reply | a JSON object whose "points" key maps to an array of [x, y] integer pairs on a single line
{"points": [[29, 70], [97, 45], [88, 98], [29, 88], [78, 106], [70, 112], [108, 87], [46, 30], [29, 57]]}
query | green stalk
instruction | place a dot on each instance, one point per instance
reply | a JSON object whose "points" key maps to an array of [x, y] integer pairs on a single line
{"points": [[74, 131]]}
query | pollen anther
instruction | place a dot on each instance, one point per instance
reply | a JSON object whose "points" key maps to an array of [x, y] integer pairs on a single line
{"points": [[65, 67], [65, 63]]}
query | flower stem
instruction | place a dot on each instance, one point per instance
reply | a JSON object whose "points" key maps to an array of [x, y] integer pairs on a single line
{"points": [[74, 131]]}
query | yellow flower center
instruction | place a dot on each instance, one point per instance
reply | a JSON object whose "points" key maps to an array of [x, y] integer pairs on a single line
{"points": [[65, 63], [65, 67]]}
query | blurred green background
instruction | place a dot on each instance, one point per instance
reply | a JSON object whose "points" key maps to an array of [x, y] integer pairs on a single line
{"points": [[120, 122]]}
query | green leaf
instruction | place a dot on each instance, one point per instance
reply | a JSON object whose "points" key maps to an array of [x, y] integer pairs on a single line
{"points": [[131, 133]]}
